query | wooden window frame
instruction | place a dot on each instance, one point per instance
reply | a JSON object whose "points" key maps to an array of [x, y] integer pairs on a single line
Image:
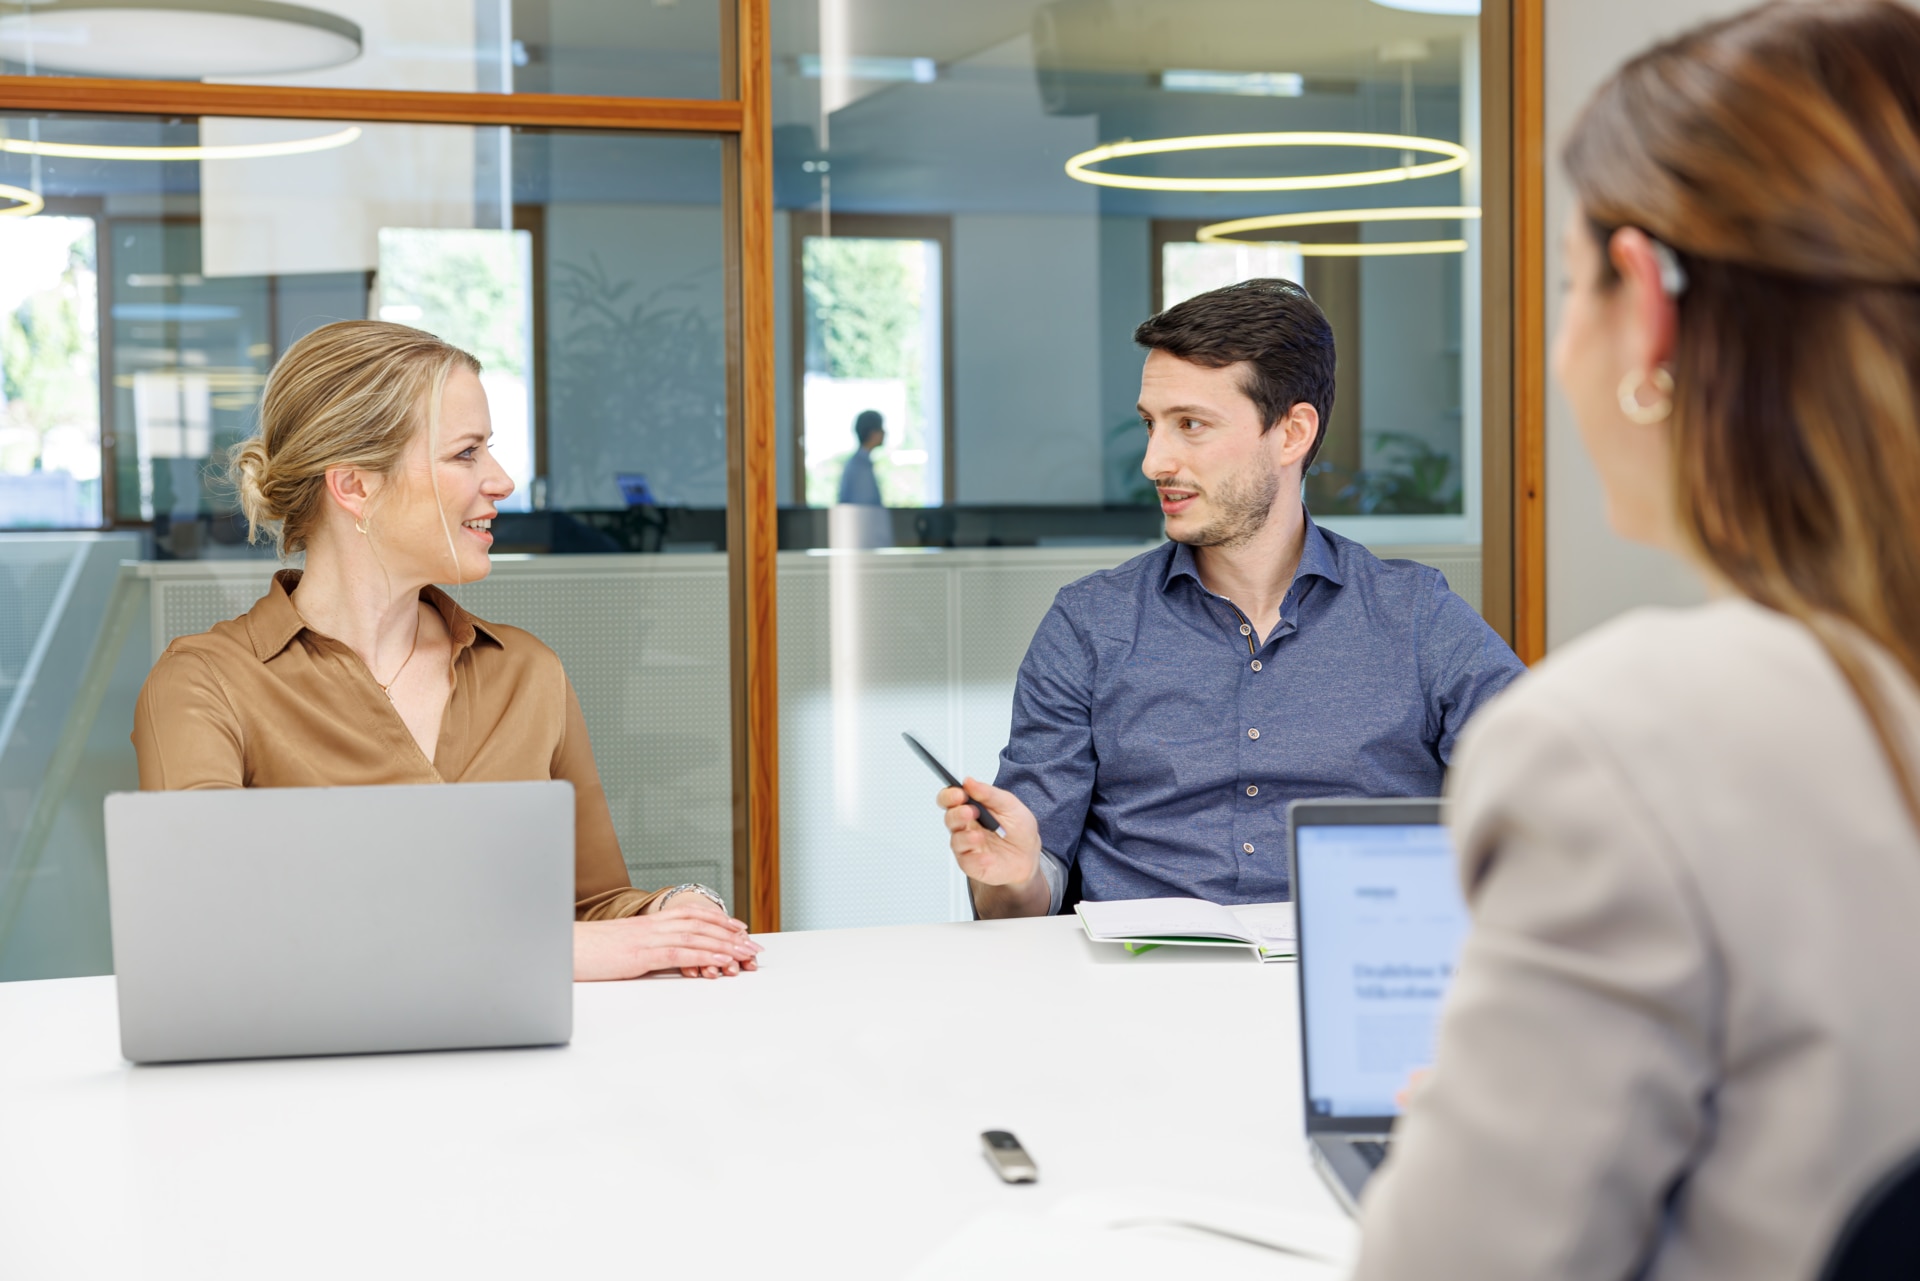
{"points": [[1513, 317]]}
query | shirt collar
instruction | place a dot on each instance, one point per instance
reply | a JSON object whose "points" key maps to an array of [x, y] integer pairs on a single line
{"points": [[273, 622], [1317, 560]]}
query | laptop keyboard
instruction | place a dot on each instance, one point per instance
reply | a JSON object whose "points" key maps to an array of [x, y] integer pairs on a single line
{"points": [[1372, 1151]]}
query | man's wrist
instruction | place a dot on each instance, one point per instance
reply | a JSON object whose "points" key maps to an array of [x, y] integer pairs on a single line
{"points": [[1031, 897]]}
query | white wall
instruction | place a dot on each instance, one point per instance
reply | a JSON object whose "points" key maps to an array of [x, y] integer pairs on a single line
{"points": [[1592, 574], [1026, 358]]}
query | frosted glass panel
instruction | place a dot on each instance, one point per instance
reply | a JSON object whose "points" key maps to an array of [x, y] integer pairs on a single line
{"points": [[874, 643]]}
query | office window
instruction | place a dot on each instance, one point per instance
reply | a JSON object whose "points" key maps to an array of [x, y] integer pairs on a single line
{"points": [[873, 333], [1189, 267], [49, 373]]}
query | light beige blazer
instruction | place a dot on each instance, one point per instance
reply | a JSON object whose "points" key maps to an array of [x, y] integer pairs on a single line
{"points": [[1684, 1036]]}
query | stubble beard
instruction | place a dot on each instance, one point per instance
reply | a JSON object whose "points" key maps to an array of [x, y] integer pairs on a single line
{"points": [[1242, 505]]}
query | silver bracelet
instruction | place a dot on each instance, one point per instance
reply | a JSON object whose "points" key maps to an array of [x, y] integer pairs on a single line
{"points": [[696, 888]]}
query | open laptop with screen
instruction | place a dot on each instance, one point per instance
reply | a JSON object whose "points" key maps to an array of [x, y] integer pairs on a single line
{"points": [[259, 922], [1381, 922]]}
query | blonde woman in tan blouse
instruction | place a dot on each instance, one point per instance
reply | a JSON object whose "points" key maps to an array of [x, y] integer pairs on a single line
{"points": [[373, 459]]}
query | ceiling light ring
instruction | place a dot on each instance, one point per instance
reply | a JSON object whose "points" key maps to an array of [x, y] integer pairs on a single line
{"points": [[347, 41], [271, 10], [1453, 158], [30, 202], [227, 151], [1228, 232]]}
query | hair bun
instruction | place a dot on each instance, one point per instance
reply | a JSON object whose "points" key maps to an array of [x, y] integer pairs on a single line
{"points": [[248, 469]]}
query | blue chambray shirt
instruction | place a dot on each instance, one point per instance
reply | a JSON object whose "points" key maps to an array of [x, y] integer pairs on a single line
{"points": [[1158, 741]]}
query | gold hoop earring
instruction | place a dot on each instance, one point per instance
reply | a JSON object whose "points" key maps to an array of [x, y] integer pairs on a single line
{"points": [[357, 525], [1656, 412]]}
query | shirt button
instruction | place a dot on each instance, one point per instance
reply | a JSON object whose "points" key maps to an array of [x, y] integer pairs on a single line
{"points": [[1247, 848], [1245, 630], [1253, 733], [1252, 790], [1256, 664]]}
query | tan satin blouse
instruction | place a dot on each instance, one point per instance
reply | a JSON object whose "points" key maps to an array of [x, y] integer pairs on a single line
{"points": [[264, 701]]}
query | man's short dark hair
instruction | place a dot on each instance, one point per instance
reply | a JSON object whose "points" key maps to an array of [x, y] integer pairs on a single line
{"points": [[1273, 325], [868, 422]]}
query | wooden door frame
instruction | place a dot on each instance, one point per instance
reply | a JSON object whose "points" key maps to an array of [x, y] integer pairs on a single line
{"points": [[1513, 320], [744, 123]]}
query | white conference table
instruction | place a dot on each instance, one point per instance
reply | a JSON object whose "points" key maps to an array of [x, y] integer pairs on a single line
{"points": [[818, 1118]]}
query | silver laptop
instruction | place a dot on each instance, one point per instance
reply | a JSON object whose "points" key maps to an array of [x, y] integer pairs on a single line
{"points": [[1381, 922], [341, 920]]}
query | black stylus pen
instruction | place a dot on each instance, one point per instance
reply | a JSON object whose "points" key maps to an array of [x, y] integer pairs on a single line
{"points": [[987, 819]]}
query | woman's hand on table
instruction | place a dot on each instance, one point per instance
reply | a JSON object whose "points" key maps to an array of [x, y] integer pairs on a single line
{"points": [[688, 934]]}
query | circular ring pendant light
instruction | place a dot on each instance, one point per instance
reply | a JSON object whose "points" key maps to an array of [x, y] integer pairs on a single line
{"points": [[1232, 231], [232, 151], [1452, 155], [26, 203], [175, 39]]}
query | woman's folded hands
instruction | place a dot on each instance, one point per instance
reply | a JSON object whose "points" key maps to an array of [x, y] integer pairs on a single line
{"points": [[689, 934]]}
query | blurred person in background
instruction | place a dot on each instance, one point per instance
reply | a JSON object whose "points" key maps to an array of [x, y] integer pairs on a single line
{"points": [[858, 485]]}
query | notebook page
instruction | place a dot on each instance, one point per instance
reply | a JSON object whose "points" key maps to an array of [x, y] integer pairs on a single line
{"points": [[1162, 917], [1271, 925]]}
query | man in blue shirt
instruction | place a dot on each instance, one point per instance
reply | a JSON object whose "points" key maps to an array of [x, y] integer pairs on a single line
{"points": [[1168, 709]]}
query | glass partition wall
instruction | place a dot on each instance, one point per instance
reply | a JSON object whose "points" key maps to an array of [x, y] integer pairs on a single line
{"points": [[698, 295], [974, 208], [600, 255]]}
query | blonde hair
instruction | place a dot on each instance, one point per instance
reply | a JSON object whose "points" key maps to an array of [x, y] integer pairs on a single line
{"points": [[349, 394]]}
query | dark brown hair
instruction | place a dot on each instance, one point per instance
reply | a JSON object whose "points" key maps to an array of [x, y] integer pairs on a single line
{"points": [[1273, 325], [1778, 153]]}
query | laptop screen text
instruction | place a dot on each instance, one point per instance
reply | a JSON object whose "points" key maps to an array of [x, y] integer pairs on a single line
{"points": [[1382, 922]]}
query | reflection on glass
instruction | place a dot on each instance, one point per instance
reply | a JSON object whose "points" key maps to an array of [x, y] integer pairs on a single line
{"points": [[49, 373], [885, 112], [606, 47], [175, 260]]}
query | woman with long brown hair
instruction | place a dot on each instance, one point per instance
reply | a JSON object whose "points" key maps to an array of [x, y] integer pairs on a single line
{"points": [[373, 460], [1682, 1039]]}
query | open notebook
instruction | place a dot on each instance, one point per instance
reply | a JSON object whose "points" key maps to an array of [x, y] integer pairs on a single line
{"points": [[1142, 923]]}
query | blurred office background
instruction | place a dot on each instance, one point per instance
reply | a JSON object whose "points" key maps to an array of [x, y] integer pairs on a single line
{"points": [[934, 261]]}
